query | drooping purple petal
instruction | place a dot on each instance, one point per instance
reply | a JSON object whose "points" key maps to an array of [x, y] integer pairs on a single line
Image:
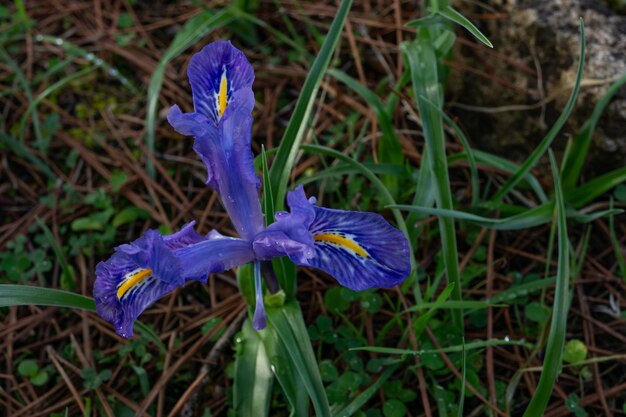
{"points": [[138, 274], [141, 272], [359, 249]]}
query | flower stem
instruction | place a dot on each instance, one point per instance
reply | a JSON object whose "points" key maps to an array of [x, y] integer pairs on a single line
{"points": [[270, 277], [259, 321]]}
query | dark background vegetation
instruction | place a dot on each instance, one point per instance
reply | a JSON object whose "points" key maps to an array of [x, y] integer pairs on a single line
{"points": [[79, 186]]}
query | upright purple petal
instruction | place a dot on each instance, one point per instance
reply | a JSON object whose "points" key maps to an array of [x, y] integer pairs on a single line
{"points": [[223, 133], [215, 74], [359, 249]]}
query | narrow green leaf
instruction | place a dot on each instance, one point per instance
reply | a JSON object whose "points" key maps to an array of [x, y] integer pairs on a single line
{"points": [[25, 295], [422, 321], [543, 146], [577, 152], [505, 165], [481, 344], [21, 77], [424, 74], [471, 159], [451, 305], [596, 187], [253, 375], [290, 327], [453, 15], [535, 216], [521, 290], [424, 196], [339, 170], [286, 373], [552, 362], [428, 20], [286, 156], [617, 247], [389, 148], [284, 268], [365, 396], [19, 295]]}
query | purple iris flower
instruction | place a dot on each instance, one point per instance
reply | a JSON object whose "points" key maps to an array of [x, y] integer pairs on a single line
{"points": [[360, 250]]}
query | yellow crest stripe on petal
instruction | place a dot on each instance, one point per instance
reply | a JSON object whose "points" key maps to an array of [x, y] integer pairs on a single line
{"points": [[131, 280], [341, 241], [223, 96]]}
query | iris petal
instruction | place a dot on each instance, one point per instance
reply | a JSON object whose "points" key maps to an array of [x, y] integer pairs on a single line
{"points": [[222, 127], [216, 254], [360, 250], [138, 274], [215, 74], [141, 272]]}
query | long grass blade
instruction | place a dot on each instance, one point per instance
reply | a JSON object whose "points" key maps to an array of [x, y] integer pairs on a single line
{"points": [[456, 17], [21, 295], [577, 152], [543, 146], [26, 295], [290, 327], [596, 187], [365, 396], [298, 124], [424, 74], [253, 376], [286, 373], [495, 161], [471, 158], [556, 339], [617, 247], [481, 344], [530, 218], [389, 149], [284, 268]]}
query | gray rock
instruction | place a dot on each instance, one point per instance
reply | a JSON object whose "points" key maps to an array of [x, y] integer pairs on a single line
{"points": [[543, 34]]}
